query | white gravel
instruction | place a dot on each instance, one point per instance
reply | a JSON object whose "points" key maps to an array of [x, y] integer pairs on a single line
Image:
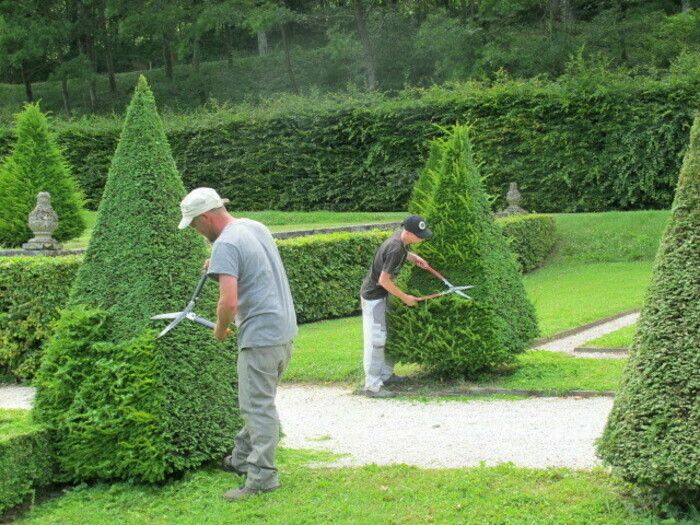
{"points": [[568, 344], [16, 396], [538, 433]]}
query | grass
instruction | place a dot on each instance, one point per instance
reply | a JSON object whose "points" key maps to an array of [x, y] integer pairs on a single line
{"points": [[567, 295], [277, 221], [15, 422], [621, 338], [610, 236], [557, 373], [389, 494], [331, 351]]}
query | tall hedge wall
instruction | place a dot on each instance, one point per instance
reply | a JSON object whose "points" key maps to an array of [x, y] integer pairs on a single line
{"points": [[616, 146], [324, 274]]}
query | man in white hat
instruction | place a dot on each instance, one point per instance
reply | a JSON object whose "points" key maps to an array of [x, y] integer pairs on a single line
{"points": [[253, 289]]}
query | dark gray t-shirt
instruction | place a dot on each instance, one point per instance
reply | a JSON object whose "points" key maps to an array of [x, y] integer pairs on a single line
{"points": [[265, 316], [390, 258]]}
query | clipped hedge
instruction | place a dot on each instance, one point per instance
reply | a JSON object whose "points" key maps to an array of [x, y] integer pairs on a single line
{"points": [[450, 335], [652, 437], [324, 273], [25, 461], [531, 237], [615, 146]]}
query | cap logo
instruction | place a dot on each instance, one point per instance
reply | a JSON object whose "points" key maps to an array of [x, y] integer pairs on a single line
{"points": [[421, 225]]}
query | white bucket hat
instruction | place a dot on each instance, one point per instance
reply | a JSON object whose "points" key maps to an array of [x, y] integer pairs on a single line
{"points": [[198, 201]]}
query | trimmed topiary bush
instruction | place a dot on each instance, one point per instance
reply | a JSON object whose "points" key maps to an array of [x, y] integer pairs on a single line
{"points": [[451, 335], [36, 164], [652, 437], [532, 238], [118, 402], [25, 458]]}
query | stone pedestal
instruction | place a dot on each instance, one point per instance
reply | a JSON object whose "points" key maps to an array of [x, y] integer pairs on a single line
{"points": [[514, 198], [43, 221]]}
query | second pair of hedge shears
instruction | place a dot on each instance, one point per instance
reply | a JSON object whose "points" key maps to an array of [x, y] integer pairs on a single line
{"points": [[459, 290]]}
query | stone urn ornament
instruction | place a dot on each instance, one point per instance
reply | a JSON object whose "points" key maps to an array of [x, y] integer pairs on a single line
{"points": [[514, 199], [43, 221]]}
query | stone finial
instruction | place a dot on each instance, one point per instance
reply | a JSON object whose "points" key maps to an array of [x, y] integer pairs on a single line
{"points": [[43, 221], [514, 198]]}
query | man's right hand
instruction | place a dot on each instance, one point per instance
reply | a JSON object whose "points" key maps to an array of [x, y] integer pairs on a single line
{"points": [[205, 266], [410, 300]]}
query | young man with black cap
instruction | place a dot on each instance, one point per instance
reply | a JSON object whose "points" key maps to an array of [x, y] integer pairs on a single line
{"points": [[378, 284]]}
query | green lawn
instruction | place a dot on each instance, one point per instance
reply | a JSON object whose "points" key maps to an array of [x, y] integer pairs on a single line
{"points": [[621, 338], [14, 423], [277, 221], [614, 236], [567, 295], [331, 351], [557, 373], [371, 494]]}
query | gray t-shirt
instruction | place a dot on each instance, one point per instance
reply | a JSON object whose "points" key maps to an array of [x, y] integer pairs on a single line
{"points": [[265, 316]]}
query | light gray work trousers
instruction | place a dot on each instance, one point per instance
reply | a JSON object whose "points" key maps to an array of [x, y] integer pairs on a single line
{"points": [[259, 373], [378, 366]]}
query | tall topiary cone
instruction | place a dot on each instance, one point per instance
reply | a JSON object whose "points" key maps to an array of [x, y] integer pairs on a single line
{"points": [[451, 335], [119, 402], [652, 436], [34, 165]]}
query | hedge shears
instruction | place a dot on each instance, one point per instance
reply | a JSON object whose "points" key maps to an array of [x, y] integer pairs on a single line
{"points": [[187, 313], [459, 290]]}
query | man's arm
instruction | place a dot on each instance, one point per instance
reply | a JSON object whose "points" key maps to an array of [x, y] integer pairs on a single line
{"points": [[227, 306], [389, 285]]}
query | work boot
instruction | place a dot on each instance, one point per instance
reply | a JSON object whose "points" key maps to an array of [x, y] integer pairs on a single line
{"points": [[382, 393], [244, 492], [227, 464], [395, 380]]}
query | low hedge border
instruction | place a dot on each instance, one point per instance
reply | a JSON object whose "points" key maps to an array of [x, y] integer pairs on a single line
{"points": [[25, 461], [325, 272]]}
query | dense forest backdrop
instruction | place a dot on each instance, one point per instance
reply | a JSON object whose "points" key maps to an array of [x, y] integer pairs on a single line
{"points": [[82, 56]]}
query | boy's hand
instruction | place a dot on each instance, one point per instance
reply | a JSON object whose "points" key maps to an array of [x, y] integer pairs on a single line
{"points": [[410, 300]]}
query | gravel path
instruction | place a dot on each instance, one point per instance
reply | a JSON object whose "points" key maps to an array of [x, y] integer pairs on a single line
{"points": [[567, 344], [542, 432], [16, 396], [537, 433]]}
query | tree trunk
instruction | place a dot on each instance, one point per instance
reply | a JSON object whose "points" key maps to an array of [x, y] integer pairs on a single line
{"points": [[195, 54], [262, 43], [110, 69], [370, 65], [621, 17], [27, 85], [168, 59], [228, 39], [66, 98], [93, 93], [685, 6], [288, 59]]}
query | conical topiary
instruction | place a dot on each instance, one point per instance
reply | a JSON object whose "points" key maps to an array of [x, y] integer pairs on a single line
{"points": [[451, 335], [652, 437], [34, 165], [119, 402]]}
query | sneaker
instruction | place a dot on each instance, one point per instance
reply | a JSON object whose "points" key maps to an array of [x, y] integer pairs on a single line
{"points": [[227, 464], [244, 492], [395, 380], [382, 393]]}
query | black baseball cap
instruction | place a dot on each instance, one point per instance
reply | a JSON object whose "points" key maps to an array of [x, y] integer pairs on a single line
{"points": [[416, 225]]}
